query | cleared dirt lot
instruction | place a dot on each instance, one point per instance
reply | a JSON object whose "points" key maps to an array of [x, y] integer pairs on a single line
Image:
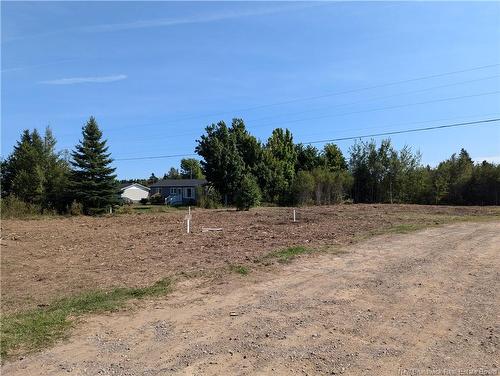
{"points": [[49, 258], [419, 303]]}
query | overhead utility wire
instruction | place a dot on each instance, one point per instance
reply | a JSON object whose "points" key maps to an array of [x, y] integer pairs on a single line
{"points": [[160, 136], [334, 93], [372, 99], [470, 123], [381, 108], [345, 104], [405, 131]]}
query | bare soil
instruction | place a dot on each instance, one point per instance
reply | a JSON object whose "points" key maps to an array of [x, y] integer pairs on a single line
{"points": [[425, 303], [49, 258]]}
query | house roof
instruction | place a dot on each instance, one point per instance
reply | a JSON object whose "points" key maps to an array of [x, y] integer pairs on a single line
{"points": [[178, 183], [126, 185]]}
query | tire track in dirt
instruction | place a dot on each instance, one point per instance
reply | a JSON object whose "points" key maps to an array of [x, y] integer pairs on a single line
{"points": [[426, 301]]}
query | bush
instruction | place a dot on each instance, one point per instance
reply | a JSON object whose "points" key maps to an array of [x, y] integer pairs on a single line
{"points": [[208, 198], [157, 199], [144, 201], [125, 201], [248, 194], [303, 187], [12, 207], [76, 208], [126, 209], [330, 187]]}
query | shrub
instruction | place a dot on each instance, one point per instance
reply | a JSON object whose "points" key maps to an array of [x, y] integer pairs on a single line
{"points": [[208, 198], [303, 187], [126, 201], [76, 208], [248, 194], [144, 201], [12, 207], [126, 209], [157, 199]]}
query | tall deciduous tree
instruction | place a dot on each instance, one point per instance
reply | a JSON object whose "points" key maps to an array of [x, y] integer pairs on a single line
{"points": [[92, 180], [280, 158], [191, 169], [222, 164]]}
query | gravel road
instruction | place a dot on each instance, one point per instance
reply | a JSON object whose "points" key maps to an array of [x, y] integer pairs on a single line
{"points": [[395, 304]]}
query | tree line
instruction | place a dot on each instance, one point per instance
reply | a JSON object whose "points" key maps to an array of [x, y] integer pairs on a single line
{"points": [[243, 171], [38, 176]]}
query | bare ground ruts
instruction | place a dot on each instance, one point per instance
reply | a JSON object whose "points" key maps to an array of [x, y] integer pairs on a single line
{"points": [[45, 259], [419, 302]]}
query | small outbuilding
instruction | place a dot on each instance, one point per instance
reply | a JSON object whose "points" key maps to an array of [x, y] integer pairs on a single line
{"points": [[133, 192]]}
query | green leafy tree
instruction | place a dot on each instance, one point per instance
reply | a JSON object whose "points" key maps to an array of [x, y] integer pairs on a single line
{"points": [[441, 182], [56, 175], [308, 158], [222, 163], [92, 180], [303, 187], [278, 172], [483, 188], [333, 158], [191, 169], [248, 147], [330, 187], [173, 173], [248, 194], [358, 165]]}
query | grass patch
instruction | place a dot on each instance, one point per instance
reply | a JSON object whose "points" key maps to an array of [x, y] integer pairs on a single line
{"points": [[287, 254], [240, 269], [32, 330]]}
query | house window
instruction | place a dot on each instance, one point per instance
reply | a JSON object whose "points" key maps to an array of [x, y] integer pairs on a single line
{"points": [[175, 191], [189, 192]]}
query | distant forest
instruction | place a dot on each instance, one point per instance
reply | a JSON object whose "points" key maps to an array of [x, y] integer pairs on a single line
{"points": [[243, 171]]}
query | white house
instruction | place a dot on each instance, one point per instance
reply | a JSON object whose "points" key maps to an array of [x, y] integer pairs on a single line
{"points": [[134, 192]]}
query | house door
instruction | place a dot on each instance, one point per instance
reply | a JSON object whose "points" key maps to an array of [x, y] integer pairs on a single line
{"points": [[176, 192]]}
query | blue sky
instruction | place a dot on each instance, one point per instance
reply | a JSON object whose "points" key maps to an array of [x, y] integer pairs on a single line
{"points": [[155, 74]]}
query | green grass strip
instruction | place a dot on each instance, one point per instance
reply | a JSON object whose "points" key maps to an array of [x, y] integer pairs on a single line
{"points": [[287, 254], [38, 328], [240, 269]]}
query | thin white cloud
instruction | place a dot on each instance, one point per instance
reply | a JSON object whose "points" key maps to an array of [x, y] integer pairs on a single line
{"points": [[491, 159], [84, 80], [194, 19], [167, 22]]}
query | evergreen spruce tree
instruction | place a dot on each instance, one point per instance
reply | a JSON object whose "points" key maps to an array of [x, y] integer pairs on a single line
{"points": [[92, 180]]}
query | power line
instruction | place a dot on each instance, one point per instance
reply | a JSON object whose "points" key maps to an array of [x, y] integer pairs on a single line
{"points": [[346, 105], [156, 157], [295, 100], [386, 96], [382, 108], [281, 123], [406, 131], [347, 91], [470, 123]]}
